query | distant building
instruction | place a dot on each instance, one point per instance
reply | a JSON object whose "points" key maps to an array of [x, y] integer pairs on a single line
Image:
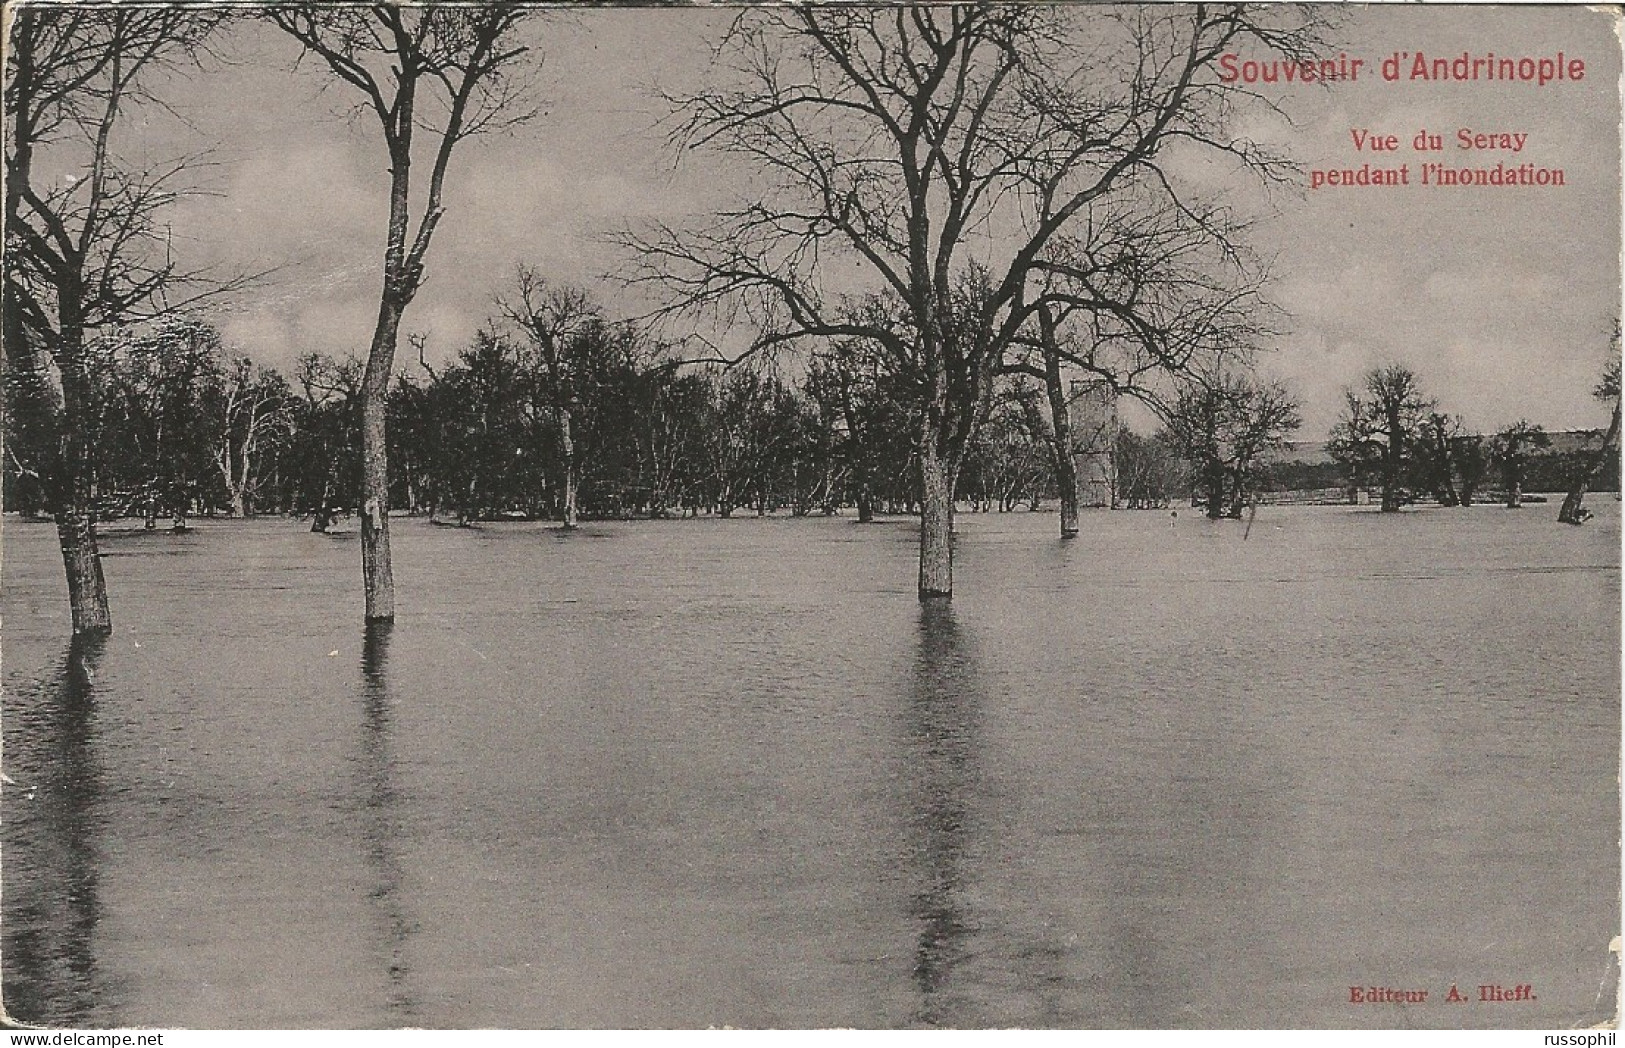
{"points": [[1092, 411]]}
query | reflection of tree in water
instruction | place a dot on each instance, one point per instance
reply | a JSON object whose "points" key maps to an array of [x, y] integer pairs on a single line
{"points": [[942, 723], [381, 824], [53, 816], [984, 957]]}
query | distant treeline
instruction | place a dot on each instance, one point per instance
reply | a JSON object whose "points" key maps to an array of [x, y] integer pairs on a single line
{"points": [[1551, 470], [603, 418], [586, 417]]}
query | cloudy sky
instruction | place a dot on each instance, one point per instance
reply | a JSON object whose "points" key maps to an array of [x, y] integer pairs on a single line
{"points": [[1501, 299]]}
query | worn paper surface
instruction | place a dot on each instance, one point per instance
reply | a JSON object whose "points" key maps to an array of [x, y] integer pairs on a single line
{"points": [[1314, 766]]}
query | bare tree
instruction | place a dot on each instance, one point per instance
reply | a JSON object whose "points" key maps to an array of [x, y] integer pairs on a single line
{"points": [[558, 321], [1509, 452], [1444, 450], [254, 411], [157, 423], [1148, 469], [1380, 427], [1223, 425], [908, 144], [85, 250], [326, 436], [447, 72], [1265, 414], [1139, 298], [1606, 390], [865, 389]]}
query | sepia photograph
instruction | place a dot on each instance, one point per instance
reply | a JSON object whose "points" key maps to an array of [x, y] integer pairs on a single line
{"points": [[825, 516]]}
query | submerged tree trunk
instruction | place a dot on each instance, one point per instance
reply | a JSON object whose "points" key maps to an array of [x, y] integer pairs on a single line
{"points": [[863, 477], [1215, 492], [322, 519], [1392, 461], [1066, 469], [452, 54], [377, 577], [74, 509], [87, 589], [567, 452], [1572, 512], [31, 350], [936, 524], [1448, 496], [1238, 493]]}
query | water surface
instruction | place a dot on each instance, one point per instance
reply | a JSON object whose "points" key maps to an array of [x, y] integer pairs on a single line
{"points": [[705, 773]]}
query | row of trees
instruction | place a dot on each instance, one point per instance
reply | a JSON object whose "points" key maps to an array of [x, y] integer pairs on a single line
{"points": [[988, 180], [953, 211], [553, 411], [1393, 437]]}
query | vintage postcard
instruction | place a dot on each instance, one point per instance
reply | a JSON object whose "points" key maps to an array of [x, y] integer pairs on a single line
{"points": [[834, 516]]}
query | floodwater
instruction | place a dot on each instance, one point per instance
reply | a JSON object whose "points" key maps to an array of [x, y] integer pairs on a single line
{"points": [[730, 773]]}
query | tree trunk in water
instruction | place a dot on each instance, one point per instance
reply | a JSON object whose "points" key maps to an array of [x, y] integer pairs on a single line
{"points": [[323, 517], [87, 589], [75, 520], [1066, 478], [70, 485], [1066, 470], [865, 490], [1215, 494], [1571, 512], [567, 451], [936, 524], [1515, 495], [1392, 460], [1238, 492], [377, 577]]}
